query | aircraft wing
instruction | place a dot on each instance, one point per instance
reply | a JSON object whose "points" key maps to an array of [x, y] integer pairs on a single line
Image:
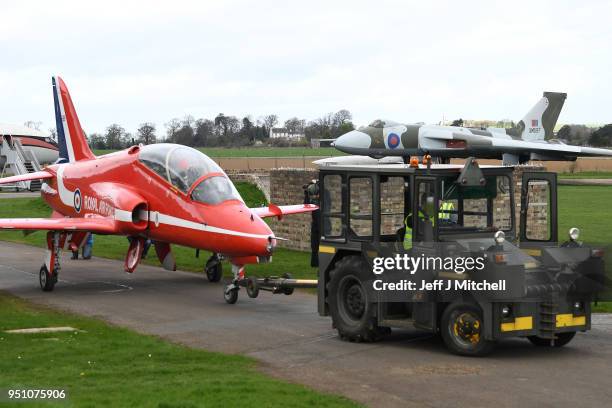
{"points": [[279, 211], [96, 225], [549, 148], [37, 175]]}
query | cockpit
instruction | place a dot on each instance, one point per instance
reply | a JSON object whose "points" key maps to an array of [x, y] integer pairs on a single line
{"points": [[184, 167]]}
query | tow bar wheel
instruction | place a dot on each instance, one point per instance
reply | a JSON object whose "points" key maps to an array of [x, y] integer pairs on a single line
{"points": [[463, 331]]}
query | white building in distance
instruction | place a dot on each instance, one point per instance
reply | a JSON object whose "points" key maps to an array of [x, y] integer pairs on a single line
{"points": [[284, 133]]}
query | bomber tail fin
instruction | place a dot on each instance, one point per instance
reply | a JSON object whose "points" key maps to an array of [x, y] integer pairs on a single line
{"points": [[540, 121], [70, 136]]}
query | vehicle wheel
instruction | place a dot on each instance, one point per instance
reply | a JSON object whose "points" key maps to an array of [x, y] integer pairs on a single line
{"points": [[46, 283], [230, 296], [252, 288], [214, 270], [353, 315], [288, 291], [462, 330], [561, 340]]}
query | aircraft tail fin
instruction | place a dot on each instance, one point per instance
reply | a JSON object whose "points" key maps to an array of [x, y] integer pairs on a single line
{"points": [[540, 121], [70, 136]]}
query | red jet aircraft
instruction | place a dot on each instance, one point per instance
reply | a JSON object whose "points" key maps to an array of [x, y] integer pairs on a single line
{"points": [[168, 193]]}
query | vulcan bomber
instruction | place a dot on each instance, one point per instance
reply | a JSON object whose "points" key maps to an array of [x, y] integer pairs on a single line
{"points": [[531, 139]]}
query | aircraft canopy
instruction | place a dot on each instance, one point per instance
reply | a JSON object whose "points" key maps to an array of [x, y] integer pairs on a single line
{"points": [[181, 165]]}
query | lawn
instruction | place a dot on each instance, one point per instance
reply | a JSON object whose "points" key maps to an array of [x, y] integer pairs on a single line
{"points": [[587, 174], [103, 365], [260, 151]]}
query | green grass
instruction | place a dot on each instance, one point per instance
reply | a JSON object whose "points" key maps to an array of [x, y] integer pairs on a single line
{"points": [[587, 175], [587, 207], [259, 151], [103, 365], [252, 196]]}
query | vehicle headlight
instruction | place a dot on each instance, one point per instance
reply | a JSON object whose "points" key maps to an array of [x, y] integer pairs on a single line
{"points": [[500, 237], [506, 311], [574, 233]]}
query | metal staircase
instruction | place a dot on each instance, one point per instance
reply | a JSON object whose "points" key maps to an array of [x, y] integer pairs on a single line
{"points": [[19, 161]]}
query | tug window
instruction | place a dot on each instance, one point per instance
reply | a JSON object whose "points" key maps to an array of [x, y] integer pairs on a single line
{"points": [[331, 200], [391, 205], [538, 226], [361, 206]]}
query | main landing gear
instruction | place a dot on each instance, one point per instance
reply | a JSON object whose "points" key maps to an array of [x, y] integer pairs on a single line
{"points": [[214, 268], [49, 271]]}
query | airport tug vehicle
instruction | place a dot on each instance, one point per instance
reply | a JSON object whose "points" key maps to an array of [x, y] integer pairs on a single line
{"points": [[453, 211]]}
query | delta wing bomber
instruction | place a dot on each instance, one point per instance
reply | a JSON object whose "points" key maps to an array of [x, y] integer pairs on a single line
{"points": [[531, 139]]}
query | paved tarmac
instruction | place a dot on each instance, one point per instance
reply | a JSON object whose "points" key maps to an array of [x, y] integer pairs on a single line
{"points": [[292, 342], [22, 194]]}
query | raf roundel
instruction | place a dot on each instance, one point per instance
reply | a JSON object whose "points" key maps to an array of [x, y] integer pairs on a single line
{"points": [[393, 140], [77, 200]]}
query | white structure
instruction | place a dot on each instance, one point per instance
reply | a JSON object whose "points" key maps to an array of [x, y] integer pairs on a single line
{"points": [[22, 149], [41, 144], [284, 133]]}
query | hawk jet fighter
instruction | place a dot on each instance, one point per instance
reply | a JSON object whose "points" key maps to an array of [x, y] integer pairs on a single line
{"points": [[166, 193], [531, 139]]}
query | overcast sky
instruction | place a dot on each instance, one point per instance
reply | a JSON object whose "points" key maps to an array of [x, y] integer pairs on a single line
{"points": [[129, 62]]}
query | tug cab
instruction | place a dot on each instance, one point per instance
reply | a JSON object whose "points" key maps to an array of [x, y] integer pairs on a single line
{"points": [[544, 289]]}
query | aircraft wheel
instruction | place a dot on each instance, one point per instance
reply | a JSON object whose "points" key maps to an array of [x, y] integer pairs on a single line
{"points": [[46, 283], [462, 330], [288, 291], [214, 270], [353, 314], [561, 340], [252, 288], [230, 296]]}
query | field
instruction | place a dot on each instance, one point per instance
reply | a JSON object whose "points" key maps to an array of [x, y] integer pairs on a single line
{"points": [[260, 151], [587, 174], [103, 365]]}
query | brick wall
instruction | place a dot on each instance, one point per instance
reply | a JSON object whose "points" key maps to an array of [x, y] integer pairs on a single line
{"points": [[286, 188]]}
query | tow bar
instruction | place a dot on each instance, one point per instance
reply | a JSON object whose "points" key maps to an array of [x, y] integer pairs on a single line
{"points": [[284, 284]]}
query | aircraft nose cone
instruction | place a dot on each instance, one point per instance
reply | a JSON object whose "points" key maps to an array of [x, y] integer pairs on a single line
{"points": [[354, 139]]}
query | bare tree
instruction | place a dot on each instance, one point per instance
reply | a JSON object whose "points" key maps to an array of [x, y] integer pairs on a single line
{"points": [[172, 127], [269, 122], [295, 125], [116, 137], [341, 117], [146, 133]]}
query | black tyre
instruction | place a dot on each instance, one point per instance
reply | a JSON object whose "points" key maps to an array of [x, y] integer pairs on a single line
{"points": [[47, 283], [252, 288], [288, 291], [214, 270], [561, 340], [352, 312], [230, 296], [462, 330]]}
